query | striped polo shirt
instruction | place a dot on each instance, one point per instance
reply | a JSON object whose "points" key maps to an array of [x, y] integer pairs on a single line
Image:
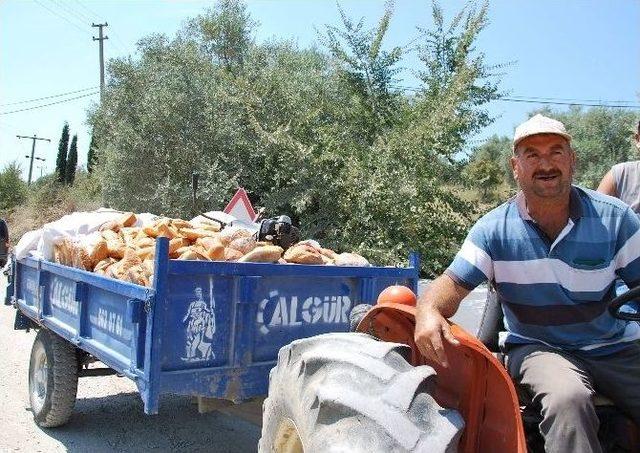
{"points": [[556, 292]]}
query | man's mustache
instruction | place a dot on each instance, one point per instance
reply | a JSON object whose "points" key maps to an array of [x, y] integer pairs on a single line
{"points": [[547, 174]]}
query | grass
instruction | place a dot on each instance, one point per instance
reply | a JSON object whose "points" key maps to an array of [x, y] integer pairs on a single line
{"points": [[48, 200]]}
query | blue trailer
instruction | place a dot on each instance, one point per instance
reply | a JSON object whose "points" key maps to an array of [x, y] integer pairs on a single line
{"points": [[204, 328]]}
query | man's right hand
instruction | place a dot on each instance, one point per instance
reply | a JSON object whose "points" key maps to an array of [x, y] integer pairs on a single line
{"points": [[432, 330]]}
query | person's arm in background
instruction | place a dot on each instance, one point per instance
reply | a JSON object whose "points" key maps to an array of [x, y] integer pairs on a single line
{"points": [[608, 185]]}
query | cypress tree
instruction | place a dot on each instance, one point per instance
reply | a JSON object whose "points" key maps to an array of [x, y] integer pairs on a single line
{"points": [[72, 161], [61, 160], [91, 155]]}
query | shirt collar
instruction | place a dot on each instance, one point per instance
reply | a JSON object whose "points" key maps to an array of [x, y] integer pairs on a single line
{"points": [[575, 205]]}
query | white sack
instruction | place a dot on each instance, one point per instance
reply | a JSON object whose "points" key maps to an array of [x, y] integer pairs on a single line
{"points": [[40, 243]]}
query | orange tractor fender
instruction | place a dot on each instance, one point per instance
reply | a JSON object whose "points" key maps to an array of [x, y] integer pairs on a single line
{"points": [[475, 383]]}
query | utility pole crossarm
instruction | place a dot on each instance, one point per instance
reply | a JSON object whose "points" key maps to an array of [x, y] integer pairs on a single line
{"points": [[33, 152]]}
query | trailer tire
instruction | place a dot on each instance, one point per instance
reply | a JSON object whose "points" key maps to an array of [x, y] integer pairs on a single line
{"points": [[53, 379], [349, 392]]}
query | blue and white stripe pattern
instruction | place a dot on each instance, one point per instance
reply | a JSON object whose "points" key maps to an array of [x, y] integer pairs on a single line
{"points": [[556, 293]]}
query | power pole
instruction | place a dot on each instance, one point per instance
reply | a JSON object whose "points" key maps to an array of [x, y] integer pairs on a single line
{"points": [[101, 39], [33, 152]]}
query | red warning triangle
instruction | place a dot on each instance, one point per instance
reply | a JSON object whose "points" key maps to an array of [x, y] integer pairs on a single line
{"points": [[240, 207]]}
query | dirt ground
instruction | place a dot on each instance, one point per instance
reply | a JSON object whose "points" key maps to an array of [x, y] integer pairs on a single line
{"points": [[109, 415]]}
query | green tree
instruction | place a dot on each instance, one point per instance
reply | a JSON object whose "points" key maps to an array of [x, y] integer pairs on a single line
{"points": [[367, 70], [601, 136], [499, 151], [284, 124], [485, 173], [61, 159], [72, 161], [456, 80], [13, 190], [91, 154], [224, 33]]}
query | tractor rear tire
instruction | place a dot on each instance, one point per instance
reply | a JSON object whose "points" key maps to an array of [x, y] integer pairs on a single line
{"points": [[349, 392], [53, 379]]}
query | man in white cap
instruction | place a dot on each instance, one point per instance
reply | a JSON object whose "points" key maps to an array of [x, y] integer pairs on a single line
{"points": [[552, 253]]}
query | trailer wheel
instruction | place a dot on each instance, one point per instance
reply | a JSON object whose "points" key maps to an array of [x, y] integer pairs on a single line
{"points": [[53, 379], [348, 392]]}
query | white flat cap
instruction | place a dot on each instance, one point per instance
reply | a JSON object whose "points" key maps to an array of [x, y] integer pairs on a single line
{"points": [[539, 124]]}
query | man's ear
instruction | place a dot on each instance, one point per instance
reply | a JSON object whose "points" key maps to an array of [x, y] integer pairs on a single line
{"points": [[514, 167]]}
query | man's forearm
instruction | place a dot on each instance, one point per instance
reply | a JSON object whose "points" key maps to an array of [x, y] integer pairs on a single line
{"points": [[443, 296]]}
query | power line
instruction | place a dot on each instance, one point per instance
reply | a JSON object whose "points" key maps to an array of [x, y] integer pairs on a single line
{"points": [[118, 43], [554, 101], [67, 9], [126, 48], [51, 103], [27, 101], [582, 104], [86, 8], [61, 16], [573, 99]]}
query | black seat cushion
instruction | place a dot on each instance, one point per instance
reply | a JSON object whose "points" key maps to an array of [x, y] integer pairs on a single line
{"points": [[491, 322]]}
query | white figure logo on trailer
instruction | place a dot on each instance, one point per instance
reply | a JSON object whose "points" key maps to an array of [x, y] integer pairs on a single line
{"points": [[201, 326]]}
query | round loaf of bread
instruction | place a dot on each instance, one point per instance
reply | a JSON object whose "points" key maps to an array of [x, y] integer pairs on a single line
{"points": [[243, 244], [303, 254], [229, 234], [351, 259]]}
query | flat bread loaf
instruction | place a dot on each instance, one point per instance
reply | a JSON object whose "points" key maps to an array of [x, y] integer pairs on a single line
{"points": [[263, 254]]}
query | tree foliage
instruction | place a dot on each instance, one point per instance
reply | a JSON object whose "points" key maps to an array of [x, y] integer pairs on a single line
{"points": [[322, 134], [456, 80], [72, 161], [223, 33], [485, 173], [91, 154], [61, 159], [13, 190], [367, 72], [489, 167], [602, 137]]}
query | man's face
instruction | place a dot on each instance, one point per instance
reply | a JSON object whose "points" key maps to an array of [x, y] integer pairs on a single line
{"points": [[543, 165], [198, 292], [637, 137]]}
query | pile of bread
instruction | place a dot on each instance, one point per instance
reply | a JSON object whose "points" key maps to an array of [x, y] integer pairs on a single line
{"points": [[126, 252]]}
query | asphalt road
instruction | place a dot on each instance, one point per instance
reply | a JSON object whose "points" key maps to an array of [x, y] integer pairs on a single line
{"points": [[109, 415]]}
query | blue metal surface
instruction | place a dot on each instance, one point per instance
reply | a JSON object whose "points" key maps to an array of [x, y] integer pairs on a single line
{"points": [[206, 328]]}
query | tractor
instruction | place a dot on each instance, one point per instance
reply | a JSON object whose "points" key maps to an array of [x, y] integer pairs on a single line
{"points": [[373, 391]]}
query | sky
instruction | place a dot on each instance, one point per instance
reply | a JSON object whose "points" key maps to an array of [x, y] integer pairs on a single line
{"points": [[575, 50]]}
